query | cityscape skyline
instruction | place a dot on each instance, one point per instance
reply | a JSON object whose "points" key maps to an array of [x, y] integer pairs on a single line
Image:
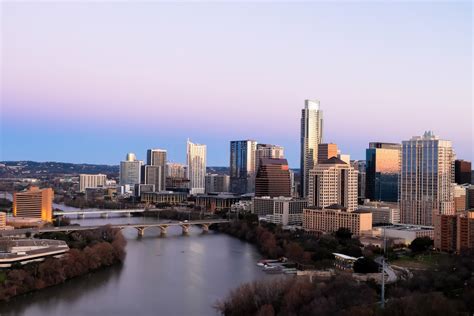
{"points": [[150, 77]]}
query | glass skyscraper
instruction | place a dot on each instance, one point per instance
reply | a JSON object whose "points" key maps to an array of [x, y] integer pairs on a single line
{"points": [[311, 137], [242, 166], [382, 171]]}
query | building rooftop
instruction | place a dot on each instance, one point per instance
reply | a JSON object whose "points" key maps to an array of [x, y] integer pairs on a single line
{"points": [[333, 161]]}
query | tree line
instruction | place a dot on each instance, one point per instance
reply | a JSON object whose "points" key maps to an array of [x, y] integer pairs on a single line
{"points": [[90, 250]]}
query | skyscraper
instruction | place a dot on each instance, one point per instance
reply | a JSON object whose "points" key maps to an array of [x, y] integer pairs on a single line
{"points": [[196, 167], [333, 182], [426, 176], [268, 151], [130, 170], [242, 166], [311, 137], [34, 203], [462, 171], [326, 151], [155, 169], [273, 178], [217, 183], [382, 171]]}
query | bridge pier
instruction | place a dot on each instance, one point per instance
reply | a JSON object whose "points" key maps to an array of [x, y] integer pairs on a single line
{"points": [[127, 214], [141, 231], [185, 228], [81, 216], [104, 215], [163, 230], [205, 228]]}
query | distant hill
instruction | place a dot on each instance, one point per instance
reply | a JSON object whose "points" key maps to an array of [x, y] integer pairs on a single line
{"points": [[32, 169]]}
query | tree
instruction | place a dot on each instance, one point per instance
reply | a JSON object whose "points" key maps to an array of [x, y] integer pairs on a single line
{"points": [[366, 265], [343, 233], [421, 244]]}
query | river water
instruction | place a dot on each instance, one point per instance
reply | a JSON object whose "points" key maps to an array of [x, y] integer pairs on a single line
{"points": [[172, 275]]}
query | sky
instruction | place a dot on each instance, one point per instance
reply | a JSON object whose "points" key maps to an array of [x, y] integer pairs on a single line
{"points": [[87, 82]]}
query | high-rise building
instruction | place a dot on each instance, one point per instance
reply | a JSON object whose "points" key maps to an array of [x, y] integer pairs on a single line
{"points": [[242, 166], [130, 170], [176, 179], [217, 183], [91, 181], [360, 167], [382, 171], [156, 158], [273, 178], [196, 167], [326, 151], [311, 137], [454, 232], [333, 182], [425, 182], [344, 157], [34, 203], [175, 170], [268, 151], [462, 171], [470, 197], [460, 197]]}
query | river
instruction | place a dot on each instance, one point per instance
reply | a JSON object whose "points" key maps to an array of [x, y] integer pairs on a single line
{"points": [[172, 275]]}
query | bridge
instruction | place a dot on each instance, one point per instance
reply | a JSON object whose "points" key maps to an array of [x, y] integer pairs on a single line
{"points": [[102, 213], [140, 227]]}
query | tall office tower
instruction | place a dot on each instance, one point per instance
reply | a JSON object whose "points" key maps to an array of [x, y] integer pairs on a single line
{"points": [[425, 179], [333, 182], [155, 171], [326, 151], [268, 151], [293, 184], [196, 167], [217, 183], [242, 166], [462, 171], [311, 137], [91, 181], [34, 203], [360, 167], [382, 171], [273, 178], [130, 170]]}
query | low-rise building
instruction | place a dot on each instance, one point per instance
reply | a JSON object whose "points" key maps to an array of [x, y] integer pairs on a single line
{"points": [[280, 210], [405, 232], [166, 197], [330, 219], [14, 251], [213, 202], [244, 206], [91, 181], [454, 233], [382, 212]]}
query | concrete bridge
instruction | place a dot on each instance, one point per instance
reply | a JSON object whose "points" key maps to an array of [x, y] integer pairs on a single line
{"points": [[102, 213], [140, 227]]}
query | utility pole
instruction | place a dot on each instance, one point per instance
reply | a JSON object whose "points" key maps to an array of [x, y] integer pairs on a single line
{"points": [[382, 295]]}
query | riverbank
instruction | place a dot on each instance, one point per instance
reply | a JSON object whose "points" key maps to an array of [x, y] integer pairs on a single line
{"points": [[91, 250]]}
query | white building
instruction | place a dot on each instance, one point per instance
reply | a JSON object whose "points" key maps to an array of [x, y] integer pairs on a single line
{"points": [[333, 182], [382, 212], [91, 181], [280, 210], [130, 170], [425, 180], [196, 167], [311, 137]]}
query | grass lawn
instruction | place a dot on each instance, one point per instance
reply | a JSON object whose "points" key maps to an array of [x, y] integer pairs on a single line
{"points": [[421, 261]]}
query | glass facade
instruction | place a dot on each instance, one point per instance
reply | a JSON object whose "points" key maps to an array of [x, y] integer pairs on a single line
{"points": [[382, 172]]}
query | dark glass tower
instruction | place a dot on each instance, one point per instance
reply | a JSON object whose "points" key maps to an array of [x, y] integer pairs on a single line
{"points": [[273, 178], [382, 171]]}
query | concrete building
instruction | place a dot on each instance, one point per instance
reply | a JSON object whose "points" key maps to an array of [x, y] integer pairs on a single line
{"points": [[166, 197], [268, 151], [213, 202], [273, 178], [330, 219], [155, 169], [91, 181], [425, 181], [217, 183], [344, 157], [196, 167], [311, 137], [327, 151], [22, 251], [470, 197], [242, 166], [454, 233], [130, 170], [175, 170], [404, 232], [462, 172], [382, 212], [333, 182], [281, 210], [382, 171], [34, 203], [460, 197], [243, 206]]}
